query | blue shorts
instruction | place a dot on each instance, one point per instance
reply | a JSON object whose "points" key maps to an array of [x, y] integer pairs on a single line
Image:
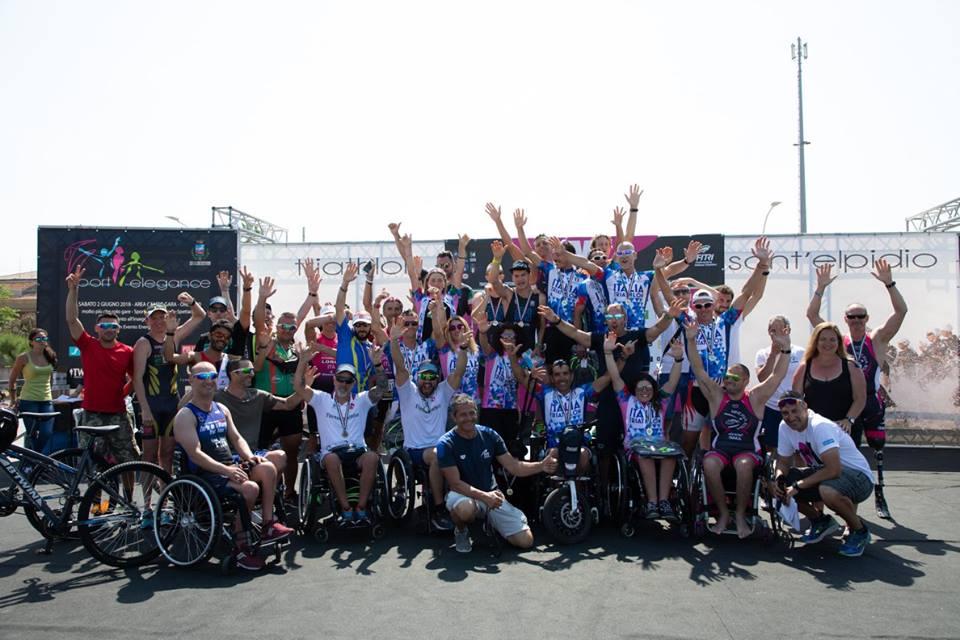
{"points": [[416, 456]]}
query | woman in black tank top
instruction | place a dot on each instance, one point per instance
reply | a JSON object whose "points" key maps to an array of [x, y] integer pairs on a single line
{"points": [[832, 384]]}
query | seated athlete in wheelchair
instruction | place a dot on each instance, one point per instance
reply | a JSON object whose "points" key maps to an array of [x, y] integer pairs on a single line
{"points": [[734, 437], [646, 445], [343, 463], [205, 432]]}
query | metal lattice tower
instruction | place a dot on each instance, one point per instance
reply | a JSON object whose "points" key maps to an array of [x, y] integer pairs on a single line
{"points": [[252, 229], [940, 218]]}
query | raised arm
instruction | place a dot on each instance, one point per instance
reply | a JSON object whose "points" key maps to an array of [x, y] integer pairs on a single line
{"points": [[457, 279], [617, 222], [609, 346], [456, 376], [376, 325], [709, 388], [567, 329], [246, 298], [494, 212], [305, 374], [311, 302], [170, 353], [575, 260], [520, 221], [266, 291], [761, 251], [438, 311], [674, 311], [224, 280], [72, 307], [824, 279], [349, 275], [368, 290], [765, 390], [633, 199], [494, 276], [676, 352], [400, 373], [885, 332], [197, 315]]}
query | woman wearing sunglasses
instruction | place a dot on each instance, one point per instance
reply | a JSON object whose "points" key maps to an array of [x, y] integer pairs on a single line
{"points": [[37, 365], [734, 435], [454, 340]]}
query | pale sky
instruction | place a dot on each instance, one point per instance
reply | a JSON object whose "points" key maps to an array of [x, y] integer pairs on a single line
{"points": [[340, 117]]}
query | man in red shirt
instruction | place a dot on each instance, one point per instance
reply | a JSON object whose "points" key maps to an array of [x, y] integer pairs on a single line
{"points": [[107, 364]]}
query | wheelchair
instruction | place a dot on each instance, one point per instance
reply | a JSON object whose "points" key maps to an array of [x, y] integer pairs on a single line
{"points": [[570, 506], [703, 507], [634, 496], [191, 518], [406, 482], [317, 507]]}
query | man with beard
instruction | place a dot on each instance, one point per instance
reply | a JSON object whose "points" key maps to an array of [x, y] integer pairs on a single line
{"points": [[220, 334], [353, 337]]}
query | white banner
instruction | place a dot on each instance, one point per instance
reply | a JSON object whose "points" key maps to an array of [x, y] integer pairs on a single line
{"points": [[284, 262], [925, 269]]}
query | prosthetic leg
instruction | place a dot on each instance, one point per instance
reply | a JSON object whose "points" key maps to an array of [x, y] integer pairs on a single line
{"points": [[876, 438]]}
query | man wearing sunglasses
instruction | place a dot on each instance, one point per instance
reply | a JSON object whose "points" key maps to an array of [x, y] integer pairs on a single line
{"points": [[424, 408], [252, 410], [520, 300], [341, 423], [218, 453], [591, 306], [869, 348], [220, 310], [834, 473], [107, 364], [354, 337], [214, 353], [735, 426]]}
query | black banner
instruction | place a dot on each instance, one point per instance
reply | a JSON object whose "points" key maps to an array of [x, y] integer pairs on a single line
{"points": [[708, 268], [127, 272]]}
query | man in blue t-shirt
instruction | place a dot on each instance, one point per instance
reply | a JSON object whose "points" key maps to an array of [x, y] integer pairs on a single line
{"points": [[466, 455], [354, 337]]}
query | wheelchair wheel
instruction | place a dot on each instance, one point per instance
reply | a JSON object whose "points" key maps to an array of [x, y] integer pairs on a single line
{"points": [[119, 535], [400, 486], [683, 490], [53, 485], [196, 521], [616, 489], [380, 498], [564, 523], [306, 510]]}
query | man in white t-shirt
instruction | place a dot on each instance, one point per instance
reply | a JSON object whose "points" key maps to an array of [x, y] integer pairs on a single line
{"points": [[770, 425], [341, 421], [424, 407], [835, 473]]}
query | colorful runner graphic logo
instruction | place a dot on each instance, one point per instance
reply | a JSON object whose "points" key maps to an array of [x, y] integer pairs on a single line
{"points": [[113, 261]]}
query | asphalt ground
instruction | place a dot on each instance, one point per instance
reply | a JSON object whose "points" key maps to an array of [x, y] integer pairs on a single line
{"points": [[654, 585]]}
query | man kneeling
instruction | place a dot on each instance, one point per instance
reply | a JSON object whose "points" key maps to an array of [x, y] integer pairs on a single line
{"points": [[205, 430], [466, 455], [836, 473]]}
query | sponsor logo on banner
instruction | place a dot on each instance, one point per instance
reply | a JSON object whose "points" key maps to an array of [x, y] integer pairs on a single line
{"points": [[200, 255], [386, 267], [843, 261]]}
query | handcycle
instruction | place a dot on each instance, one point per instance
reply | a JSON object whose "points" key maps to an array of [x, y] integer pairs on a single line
{"points": [[76, 493]]}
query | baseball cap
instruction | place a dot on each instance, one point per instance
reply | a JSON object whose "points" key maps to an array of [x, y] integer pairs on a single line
{"points": [[327, 310], [218, 300], [153, 309], [520, 265], [702, 296], [346, 367], [362, 316], [790, 395], [428, 366]]}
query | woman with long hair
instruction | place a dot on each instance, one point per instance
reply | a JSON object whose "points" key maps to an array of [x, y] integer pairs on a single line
{"points": [[830, 380], [37, 365]]}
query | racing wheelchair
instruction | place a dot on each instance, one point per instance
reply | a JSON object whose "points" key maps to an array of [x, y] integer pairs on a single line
{"points": [[634, 496], [570, 506], [317, 508], [191, 518]]}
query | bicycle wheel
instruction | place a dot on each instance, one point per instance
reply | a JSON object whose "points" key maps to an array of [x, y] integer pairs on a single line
{"points": [[195, 521], [53, 484], [115, 532]]}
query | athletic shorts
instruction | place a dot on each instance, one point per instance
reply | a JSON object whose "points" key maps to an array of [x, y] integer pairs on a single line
{"points": [[119, 444], [281, 423], [853, 484], [164, 410], [871, 423], [507, 520], [728, 458], [695, 409], [348, 457], [416, 456]]}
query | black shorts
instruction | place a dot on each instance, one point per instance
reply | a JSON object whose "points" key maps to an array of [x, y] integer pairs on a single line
{"points": [[771, 428], [609, 438], [872, 423], [164, 410], [281, 423]]}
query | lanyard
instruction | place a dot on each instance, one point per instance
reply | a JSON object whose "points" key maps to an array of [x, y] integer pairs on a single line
{"points": [[526, 305], [344, 417]]}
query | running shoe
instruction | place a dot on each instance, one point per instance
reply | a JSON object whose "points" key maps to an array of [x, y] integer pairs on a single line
{"points": [[146, 519], [666, 511], [855, 543], [820, 529], [441, 521], [650, 512], [462, 539], [346, 518], [361, 517], [275, 531], [249, 561]]}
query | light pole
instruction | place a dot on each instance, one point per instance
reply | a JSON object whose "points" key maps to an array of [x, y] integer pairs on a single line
{"points": [[772, 206], [798, 52]]}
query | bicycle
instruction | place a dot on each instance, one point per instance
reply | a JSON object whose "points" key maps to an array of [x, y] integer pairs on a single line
{"points": [[110, 501]]}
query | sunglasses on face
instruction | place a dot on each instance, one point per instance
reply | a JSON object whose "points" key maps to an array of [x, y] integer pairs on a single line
{"points": [[703, 305], [108, 325], [787, 402], [247, 371], [206, 375], [456, 327], [856, 316], [623, 253], [428, 376], [598, 258], [732, 377], [41, 339], [613, 316], [287, 326], [344, 379]]}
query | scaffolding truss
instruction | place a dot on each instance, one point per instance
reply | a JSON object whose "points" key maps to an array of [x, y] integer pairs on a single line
{"points": [[252, 229], [941, 218]]}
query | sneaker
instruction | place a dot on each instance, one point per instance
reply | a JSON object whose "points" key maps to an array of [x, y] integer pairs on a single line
{"points": [[462, 538], [666, 511], [820, 529], [346, 518], [273, 530], [441, 520], [249, 561], [361, 517], [855, 543], [146, 519], [651, 513], [166, 519]]}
